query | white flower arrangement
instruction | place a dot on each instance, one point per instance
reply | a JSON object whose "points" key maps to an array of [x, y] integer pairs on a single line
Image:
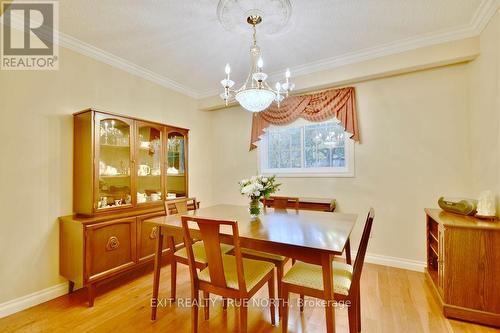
{"points": [[258, 186]]}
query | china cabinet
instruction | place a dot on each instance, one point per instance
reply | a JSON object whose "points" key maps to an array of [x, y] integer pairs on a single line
{"points": [[124, 168], [122, 163]]}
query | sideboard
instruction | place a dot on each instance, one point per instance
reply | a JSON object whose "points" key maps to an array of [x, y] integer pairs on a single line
{"points": [[463, 266]]}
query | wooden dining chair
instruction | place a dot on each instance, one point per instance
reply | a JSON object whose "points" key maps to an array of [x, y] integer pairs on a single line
{"points": [[225, 275], [278, 261], [281, 202], [180, 206], [307, 279]]}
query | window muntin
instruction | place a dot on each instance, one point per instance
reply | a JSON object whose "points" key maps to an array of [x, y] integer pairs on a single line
{"points": [[305, 148]]}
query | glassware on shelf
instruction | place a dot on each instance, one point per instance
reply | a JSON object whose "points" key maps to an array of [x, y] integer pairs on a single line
{"points": [[114, 164], [176, 180], [149, 182], [113, 136]]}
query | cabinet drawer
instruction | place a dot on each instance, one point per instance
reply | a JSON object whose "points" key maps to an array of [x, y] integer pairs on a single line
{"points": [[109, 247], [147, 234]]}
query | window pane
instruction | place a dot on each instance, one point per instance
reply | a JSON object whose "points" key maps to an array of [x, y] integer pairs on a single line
{"points": [[284, 148], [324, 145]]}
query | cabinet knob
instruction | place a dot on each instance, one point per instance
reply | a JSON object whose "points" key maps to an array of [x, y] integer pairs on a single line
{"points": [[154, 233], [113, 243]]}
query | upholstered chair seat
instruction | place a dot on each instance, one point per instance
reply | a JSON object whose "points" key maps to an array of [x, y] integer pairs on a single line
{"points": [[311, 276], [254, 272]]}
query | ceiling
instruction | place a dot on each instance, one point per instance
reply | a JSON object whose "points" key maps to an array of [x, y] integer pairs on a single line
{"points": [[182, 45]]}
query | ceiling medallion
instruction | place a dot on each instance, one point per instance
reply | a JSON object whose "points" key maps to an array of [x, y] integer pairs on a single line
{"points": [[232, 14], [255, 94]]}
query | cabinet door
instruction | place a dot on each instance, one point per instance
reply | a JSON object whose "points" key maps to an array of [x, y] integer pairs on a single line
{"points": [[114, 186], [176, 162], [147, 235], [110, 247], [149, 161]]}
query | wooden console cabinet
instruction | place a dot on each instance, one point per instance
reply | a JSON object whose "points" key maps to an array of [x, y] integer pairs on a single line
{"points": [[463, 266], [124, 169]]}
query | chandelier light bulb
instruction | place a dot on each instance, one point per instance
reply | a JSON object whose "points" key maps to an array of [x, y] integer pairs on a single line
{"points": [[287, 73], [278, 86], [227, 69], [260, 63]]}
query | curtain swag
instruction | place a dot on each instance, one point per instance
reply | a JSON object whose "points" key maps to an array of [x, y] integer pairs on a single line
{"points": [[317, 107]]}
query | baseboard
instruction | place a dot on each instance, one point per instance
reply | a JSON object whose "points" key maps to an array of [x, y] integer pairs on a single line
{"points": [[33, 299], [409, 264]]}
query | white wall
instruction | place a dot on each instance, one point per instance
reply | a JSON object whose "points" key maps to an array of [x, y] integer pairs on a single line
{"points": [[484, 112], [414, 148], [36, 136]]}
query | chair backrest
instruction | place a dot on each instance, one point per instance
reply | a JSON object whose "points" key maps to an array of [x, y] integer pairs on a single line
{"points": [[360, 256], [282, 202], [210, 235], [181, 205]]}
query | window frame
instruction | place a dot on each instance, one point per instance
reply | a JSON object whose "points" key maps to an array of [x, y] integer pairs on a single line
{"points": [[326, 172]]}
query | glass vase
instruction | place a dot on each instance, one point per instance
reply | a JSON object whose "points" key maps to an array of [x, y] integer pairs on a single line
{"points": [[255, 207]]}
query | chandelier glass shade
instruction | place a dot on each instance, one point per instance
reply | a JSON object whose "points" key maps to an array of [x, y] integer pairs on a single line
{"points": [[255, 100], [255, 94]]}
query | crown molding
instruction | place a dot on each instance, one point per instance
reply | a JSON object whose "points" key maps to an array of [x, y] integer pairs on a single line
{"points": [[482, 16], [125, 65], [487, 9]]}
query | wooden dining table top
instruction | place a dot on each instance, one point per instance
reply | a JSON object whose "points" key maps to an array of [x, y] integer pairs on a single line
{"points": [[276, 231]]}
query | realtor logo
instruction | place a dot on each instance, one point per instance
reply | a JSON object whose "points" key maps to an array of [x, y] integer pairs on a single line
{"points": [[29, 38]]}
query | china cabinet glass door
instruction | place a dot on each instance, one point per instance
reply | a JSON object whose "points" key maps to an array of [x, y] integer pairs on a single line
{"points": [[149, 161], [176, 165], [114, 156]]}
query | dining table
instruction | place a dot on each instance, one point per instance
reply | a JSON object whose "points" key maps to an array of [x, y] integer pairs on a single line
{"points": [[309, 236]]}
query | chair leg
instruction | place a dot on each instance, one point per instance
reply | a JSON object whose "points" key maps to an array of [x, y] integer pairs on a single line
{"points": [[352, 312], [243, 315], [358, 308], [270, 286], [194, 311], [206, 305], [284, 309], [293, 261], [302, 299], [279, 277], [173, 279], [330, 318]]}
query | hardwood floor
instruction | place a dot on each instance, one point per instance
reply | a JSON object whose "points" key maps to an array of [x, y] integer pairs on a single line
{"points": [[393, 301]]}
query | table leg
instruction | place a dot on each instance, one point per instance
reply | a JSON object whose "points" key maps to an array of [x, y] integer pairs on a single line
{"points": [[348, 251], [156, 274], [326, 262]]}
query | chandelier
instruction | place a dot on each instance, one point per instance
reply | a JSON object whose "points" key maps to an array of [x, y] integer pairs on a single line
{"points": [[255, 94]]}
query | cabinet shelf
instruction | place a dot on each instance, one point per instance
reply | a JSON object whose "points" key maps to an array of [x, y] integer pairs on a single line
{"points": [[433, 250], [106, 145], [114, 176]]}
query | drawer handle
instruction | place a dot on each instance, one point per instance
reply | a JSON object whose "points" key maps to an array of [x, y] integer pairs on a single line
{"points": [[113, 243], [154, 233]]}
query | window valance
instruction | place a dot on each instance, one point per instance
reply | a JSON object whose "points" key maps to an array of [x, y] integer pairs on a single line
{"points": [[317, 107]]}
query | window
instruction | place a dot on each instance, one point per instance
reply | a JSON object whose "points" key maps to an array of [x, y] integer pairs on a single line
{"points": [[307, 149]]}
